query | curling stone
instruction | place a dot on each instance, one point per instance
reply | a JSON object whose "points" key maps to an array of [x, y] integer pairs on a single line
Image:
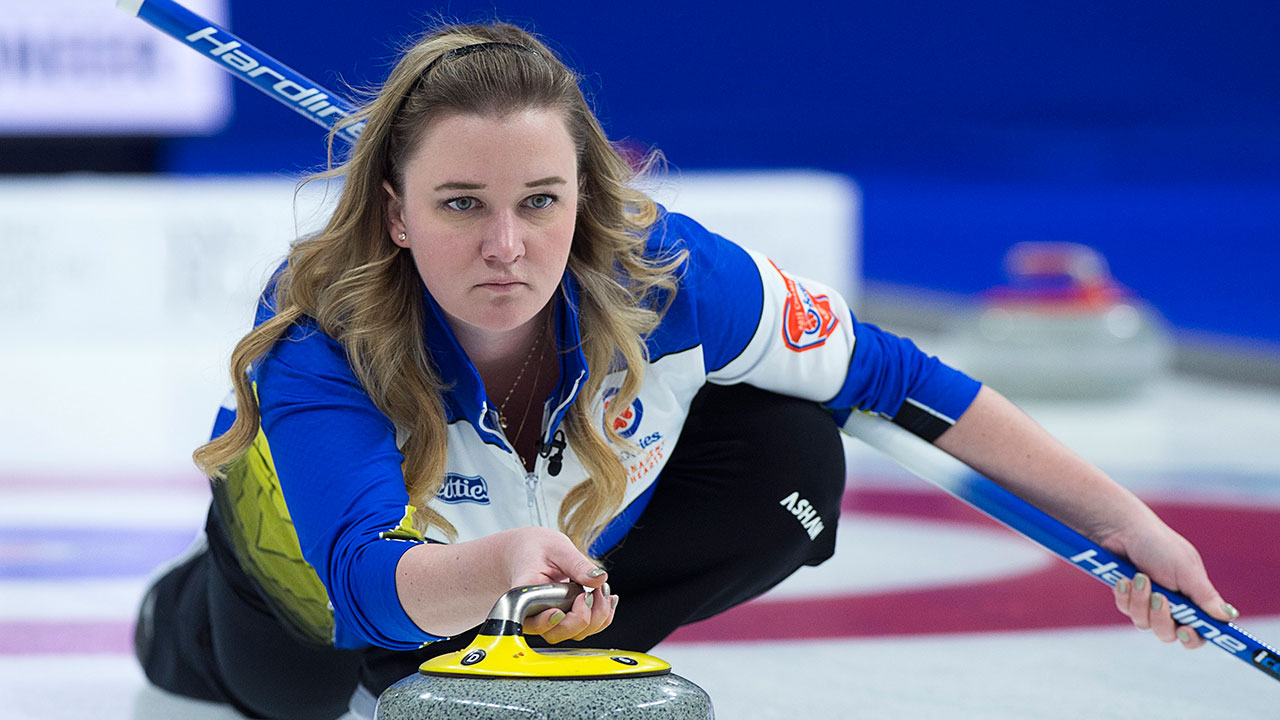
{"points": [[499, 676], [1063, 328]]}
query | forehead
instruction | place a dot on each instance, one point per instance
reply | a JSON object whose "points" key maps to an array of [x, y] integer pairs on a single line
{"points": [[527, 141]]}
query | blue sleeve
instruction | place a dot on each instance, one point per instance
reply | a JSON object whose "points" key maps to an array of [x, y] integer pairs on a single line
{"points": [[340, 471], [889, 375]]}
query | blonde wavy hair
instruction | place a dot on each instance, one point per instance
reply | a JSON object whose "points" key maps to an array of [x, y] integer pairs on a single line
{"points": [[365, 292]]}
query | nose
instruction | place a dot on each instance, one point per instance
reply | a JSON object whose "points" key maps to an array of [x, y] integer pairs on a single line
{"points": [[502, 239]]}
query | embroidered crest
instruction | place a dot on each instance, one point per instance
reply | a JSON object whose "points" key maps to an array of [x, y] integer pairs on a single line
{"points": [[807, 321]]}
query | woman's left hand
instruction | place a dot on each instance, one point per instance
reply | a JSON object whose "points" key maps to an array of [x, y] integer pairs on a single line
{"points": [[1000, 441], [1169, 559]]}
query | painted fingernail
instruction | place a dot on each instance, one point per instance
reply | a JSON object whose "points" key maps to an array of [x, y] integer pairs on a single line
{"points": [[591, 599], [1139, 582], [1184, 637], [605, 590], [614, 599], [1230, 610], [596, 573], [1156, 601], [556, 617], [1122, 586]]}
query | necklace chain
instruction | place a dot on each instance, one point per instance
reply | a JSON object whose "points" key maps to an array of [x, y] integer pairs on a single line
{"points": [[529, 403], [502, 415]]}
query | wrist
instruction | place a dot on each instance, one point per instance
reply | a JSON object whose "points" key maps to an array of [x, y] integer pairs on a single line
{"points": [[447, 589], [1133, 520]]}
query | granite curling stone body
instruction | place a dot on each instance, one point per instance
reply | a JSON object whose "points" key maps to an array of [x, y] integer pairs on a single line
{"points": [[499, 676]]}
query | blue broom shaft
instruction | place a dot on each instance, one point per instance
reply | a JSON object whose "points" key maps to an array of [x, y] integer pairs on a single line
{"points": [[930, 463], [242, 59]]}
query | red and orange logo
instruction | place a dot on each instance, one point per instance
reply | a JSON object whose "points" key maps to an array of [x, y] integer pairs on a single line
{"points": [[807, 321], [628, 421]]}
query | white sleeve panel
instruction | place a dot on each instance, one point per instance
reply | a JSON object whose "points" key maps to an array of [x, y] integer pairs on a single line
{"points": [[803, 342]]}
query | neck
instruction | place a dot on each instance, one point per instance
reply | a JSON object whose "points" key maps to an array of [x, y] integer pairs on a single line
{"points": [[498, 356]]}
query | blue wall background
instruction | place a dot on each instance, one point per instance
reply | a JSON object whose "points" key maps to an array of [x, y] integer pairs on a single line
{"points": [[1150, 130]]}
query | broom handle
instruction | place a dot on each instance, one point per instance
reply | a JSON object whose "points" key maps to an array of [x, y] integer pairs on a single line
{"points": [[930, 463]]}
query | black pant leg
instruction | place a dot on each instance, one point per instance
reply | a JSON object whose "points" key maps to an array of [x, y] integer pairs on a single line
{"points": [[751, 493], [267, 671], [171, 639], [212, 637]]}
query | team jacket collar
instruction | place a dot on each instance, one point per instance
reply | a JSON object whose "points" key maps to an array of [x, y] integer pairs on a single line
{"points": [[464, 395]]}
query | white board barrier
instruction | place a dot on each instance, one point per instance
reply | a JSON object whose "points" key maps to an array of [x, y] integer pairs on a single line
{"points": [[74, 67]]}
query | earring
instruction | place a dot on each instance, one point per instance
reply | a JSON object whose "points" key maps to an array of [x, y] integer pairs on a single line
{"points": [[402, 237]]}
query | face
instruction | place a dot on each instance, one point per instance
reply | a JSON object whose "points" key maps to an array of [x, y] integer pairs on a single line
{"points": [[488, 212]]}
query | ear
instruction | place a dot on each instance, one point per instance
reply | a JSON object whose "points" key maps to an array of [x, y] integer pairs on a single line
{"points": [[395, 216]]}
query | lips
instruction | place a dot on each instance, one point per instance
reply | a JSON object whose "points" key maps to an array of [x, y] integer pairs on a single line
{"points": [[501, 285]]}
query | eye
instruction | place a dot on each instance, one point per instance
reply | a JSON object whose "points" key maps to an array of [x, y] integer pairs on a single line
{"points": [[462, 204], [542, 201]]}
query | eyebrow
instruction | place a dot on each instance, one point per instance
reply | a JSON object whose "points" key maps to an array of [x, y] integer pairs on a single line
{"points": [[455, 185]]}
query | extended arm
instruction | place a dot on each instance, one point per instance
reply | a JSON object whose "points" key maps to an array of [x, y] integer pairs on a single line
{"points": [[997, 439]]}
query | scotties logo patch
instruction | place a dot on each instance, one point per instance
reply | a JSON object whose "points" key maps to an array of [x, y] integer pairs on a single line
{"points": [[807, 321], [463, 489], [628, 422]]}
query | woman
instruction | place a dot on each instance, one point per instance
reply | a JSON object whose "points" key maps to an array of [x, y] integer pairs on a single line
{"points": [[499, 365]]}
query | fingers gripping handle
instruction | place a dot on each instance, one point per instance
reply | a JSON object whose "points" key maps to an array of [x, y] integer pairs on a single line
{"points": [[509, 613]]}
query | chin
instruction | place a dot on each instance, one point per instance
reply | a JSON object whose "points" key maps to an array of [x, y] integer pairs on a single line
{"points": [[490, 314], [504, 319]]}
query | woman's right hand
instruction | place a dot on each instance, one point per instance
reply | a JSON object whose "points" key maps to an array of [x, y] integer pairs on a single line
{"points": [[540, 555], [447, 589]]}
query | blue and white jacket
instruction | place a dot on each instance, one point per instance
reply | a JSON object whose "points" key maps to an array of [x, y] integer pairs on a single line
{"points": [[735, 318]]}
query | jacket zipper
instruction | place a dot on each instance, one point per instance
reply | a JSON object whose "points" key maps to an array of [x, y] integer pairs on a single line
{"points": [[550, 457], [533, 479], [531, 484]]}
